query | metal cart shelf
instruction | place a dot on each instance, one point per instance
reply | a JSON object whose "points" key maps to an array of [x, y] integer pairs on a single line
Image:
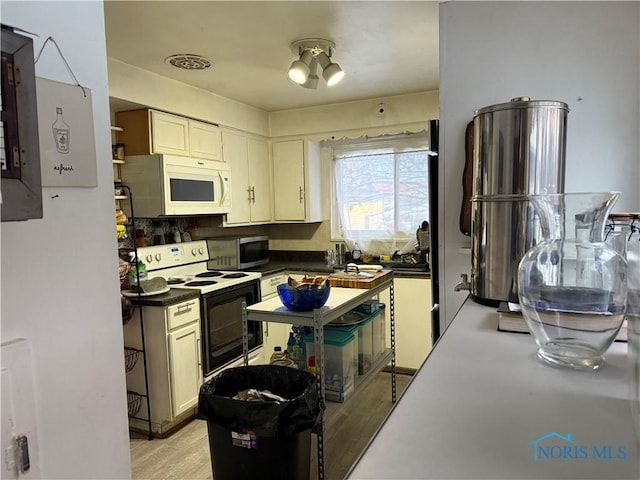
{"points": [[341, 300]]}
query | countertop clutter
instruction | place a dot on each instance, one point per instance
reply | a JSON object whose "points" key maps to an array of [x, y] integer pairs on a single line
{"points": [[313, 261], [482, 406], [173, 296]]}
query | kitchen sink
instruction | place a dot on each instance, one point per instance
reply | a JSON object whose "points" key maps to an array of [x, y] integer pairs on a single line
{"points": [[406, 267]]}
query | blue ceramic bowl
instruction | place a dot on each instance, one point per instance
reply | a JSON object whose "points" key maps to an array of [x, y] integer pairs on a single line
{"points": [[303, 300]]}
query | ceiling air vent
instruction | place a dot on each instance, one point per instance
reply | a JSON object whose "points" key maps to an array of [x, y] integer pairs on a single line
{"points": [[187, 61]]}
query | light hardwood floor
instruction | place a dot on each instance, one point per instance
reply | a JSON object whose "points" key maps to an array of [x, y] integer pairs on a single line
{"points": [[185, 454]]}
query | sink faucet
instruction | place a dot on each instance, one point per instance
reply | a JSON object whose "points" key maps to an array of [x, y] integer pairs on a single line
{"points": [[464, 284]]}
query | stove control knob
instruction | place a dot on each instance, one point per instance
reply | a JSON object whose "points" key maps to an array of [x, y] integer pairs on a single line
{"points": [[149, 258], [158, 256], [201, 251], [194, 252]]}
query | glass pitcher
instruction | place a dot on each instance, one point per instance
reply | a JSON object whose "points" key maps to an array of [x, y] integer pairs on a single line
{"points": [[572, 285]]}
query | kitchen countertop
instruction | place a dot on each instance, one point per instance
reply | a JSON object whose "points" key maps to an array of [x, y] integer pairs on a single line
{"points": [[481, 404], [279, 266], [173, 296]]}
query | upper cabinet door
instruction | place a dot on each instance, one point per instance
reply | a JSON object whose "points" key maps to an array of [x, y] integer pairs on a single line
{"points": [[259, 179], [288, 181], [235, 154], [205, 140], [169, 134], [297, 194]]}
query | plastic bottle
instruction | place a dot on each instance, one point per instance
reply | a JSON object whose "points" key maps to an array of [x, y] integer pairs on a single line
{"points": [[311, 368], [277, 354], [291, 342], [300, 345], [293, 349]]}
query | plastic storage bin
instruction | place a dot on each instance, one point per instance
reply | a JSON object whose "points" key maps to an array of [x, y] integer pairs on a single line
{"points": [[341, 362], [377, 332], [363, 332]]}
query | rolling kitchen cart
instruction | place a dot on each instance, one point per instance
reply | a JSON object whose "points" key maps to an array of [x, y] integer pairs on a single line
{"points": [[341, 300]]}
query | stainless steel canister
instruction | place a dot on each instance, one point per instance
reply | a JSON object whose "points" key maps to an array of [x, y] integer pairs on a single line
{"points": [[519, 149]]}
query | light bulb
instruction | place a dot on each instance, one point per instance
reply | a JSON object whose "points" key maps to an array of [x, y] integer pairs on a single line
{"points": [[299, 69]]}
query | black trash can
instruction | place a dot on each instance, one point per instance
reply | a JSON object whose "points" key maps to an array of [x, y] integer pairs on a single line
{"points": [[251, 439]]}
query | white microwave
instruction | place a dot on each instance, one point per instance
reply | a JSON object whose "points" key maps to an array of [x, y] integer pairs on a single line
{"points": [[173, 185]]}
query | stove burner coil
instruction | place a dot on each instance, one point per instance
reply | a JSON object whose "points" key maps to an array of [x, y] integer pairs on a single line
{"points": [[210, 273], [200, 283], [234, 275], [175, 281]]}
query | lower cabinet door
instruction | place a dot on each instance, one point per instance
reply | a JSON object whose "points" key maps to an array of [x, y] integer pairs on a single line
{"points": [[184, 367], [412, 304]]}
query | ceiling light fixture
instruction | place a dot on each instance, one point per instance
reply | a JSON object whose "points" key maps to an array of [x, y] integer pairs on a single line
{"points": [[314, 52], [312, 79]]}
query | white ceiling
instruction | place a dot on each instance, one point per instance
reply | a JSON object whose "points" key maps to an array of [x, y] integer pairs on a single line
{"points": [[386, 48]]}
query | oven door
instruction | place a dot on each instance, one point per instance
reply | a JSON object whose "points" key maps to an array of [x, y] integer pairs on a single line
{"points": [[195, 186], [222, 325]]}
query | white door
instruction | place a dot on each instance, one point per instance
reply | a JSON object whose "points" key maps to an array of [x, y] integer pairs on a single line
{"points": [[288, 181], [184, 367]]}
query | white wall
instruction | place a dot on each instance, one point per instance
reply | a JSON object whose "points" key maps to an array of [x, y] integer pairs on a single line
{"points": [[494, 51], [402, 113], [59, 274], [133, 84]]}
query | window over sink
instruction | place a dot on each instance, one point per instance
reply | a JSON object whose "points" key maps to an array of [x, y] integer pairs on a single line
{"points": [[381, 190]]}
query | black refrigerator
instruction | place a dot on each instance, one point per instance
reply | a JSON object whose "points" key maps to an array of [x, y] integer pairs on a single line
{"points": [[433, 223]]}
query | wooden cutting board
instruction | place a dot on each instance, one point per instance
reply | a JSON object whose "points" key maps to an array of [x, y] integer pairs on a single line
{"points": [[354, 281]]}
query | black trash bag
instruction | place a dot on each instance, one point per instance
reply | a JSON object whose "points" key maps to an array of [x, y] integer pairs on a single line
{"points": [[298, 413]]}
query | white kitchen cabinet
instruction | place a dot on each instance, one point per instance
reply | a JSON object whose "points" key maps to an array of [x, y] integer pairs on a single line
{"points": [[250, 179], [149, 132], [169, 134], [174, 368], [184, 354], [273, 333], [412, 303], [205, 141], [297, 195]]}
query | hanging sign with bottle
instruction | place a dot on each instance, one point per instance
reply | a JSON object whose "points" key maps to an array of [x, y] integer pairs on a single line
{"points": [[67, 142]]}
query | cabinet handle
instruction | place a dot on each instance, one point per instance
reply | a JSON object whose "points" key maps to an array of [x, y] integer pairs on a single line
{"points": [[186, 307], [253, 194], [249, 194], [301, 194]]}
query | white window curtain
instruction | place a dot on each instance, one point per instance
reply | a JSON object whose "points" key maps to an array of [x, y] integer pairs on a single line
{"points": [[381, 191]]}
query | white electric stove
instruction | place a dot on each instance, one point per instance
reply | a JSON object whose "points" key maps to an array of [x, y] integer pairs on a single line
{"points": [[222, 296], [184, 265]]}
